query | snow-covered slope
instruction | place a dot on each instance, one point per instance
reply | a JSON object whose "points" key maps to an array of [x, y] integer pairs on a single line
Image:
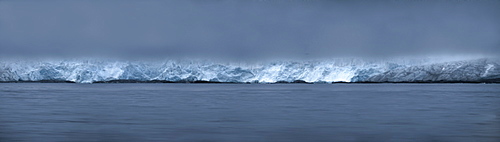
{"points": [[334, 70], [480, 70]]}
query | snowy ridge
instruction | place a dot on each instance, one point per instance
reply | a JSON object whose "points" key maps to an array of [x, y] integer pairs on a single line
{"points": [[481, 70], [334, 70]]}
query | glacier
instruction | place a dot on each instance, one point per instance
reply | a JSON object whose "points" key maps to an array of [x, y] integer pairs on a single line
{"points": [[320, 71]]}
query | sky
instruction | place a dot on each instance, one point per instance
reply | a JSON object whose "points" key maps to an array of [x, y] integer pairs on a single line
{"points": [[251, 29]]}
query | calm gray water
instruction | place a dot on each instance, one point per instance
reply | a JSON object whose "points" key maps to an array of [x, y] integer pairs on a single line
{"points": [[249, 112]]}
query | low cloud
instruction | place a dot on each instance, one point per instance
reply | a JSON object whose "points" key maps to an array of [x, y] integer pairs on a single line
{"points": [[248, 29]]}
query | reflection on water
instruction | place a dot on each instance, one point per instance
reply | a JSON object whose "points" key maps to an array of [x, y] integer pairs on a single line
{"points": [[249, 112]]}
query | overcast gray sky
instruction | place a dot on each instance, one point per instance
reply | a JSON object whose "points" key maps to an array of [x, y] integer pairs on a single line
{"points": [[248, 29]]}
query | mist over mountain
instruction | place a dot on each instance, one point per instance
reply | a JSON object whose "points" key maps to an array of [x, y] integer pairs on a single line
{"points": [[91, 41]]}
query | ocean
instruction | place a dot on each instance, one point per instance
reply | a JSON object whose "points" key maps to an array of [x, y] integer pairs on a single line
{"points": [[249, 112]]}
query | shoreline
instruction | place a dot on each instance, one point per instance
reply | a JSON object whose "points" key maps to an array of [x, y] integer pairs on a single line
{"points": [[277, 82]]}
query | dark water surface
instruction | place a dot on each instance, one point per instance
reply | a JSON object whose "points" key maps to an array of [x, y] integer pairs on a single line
{"points": [[249, 112]]}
